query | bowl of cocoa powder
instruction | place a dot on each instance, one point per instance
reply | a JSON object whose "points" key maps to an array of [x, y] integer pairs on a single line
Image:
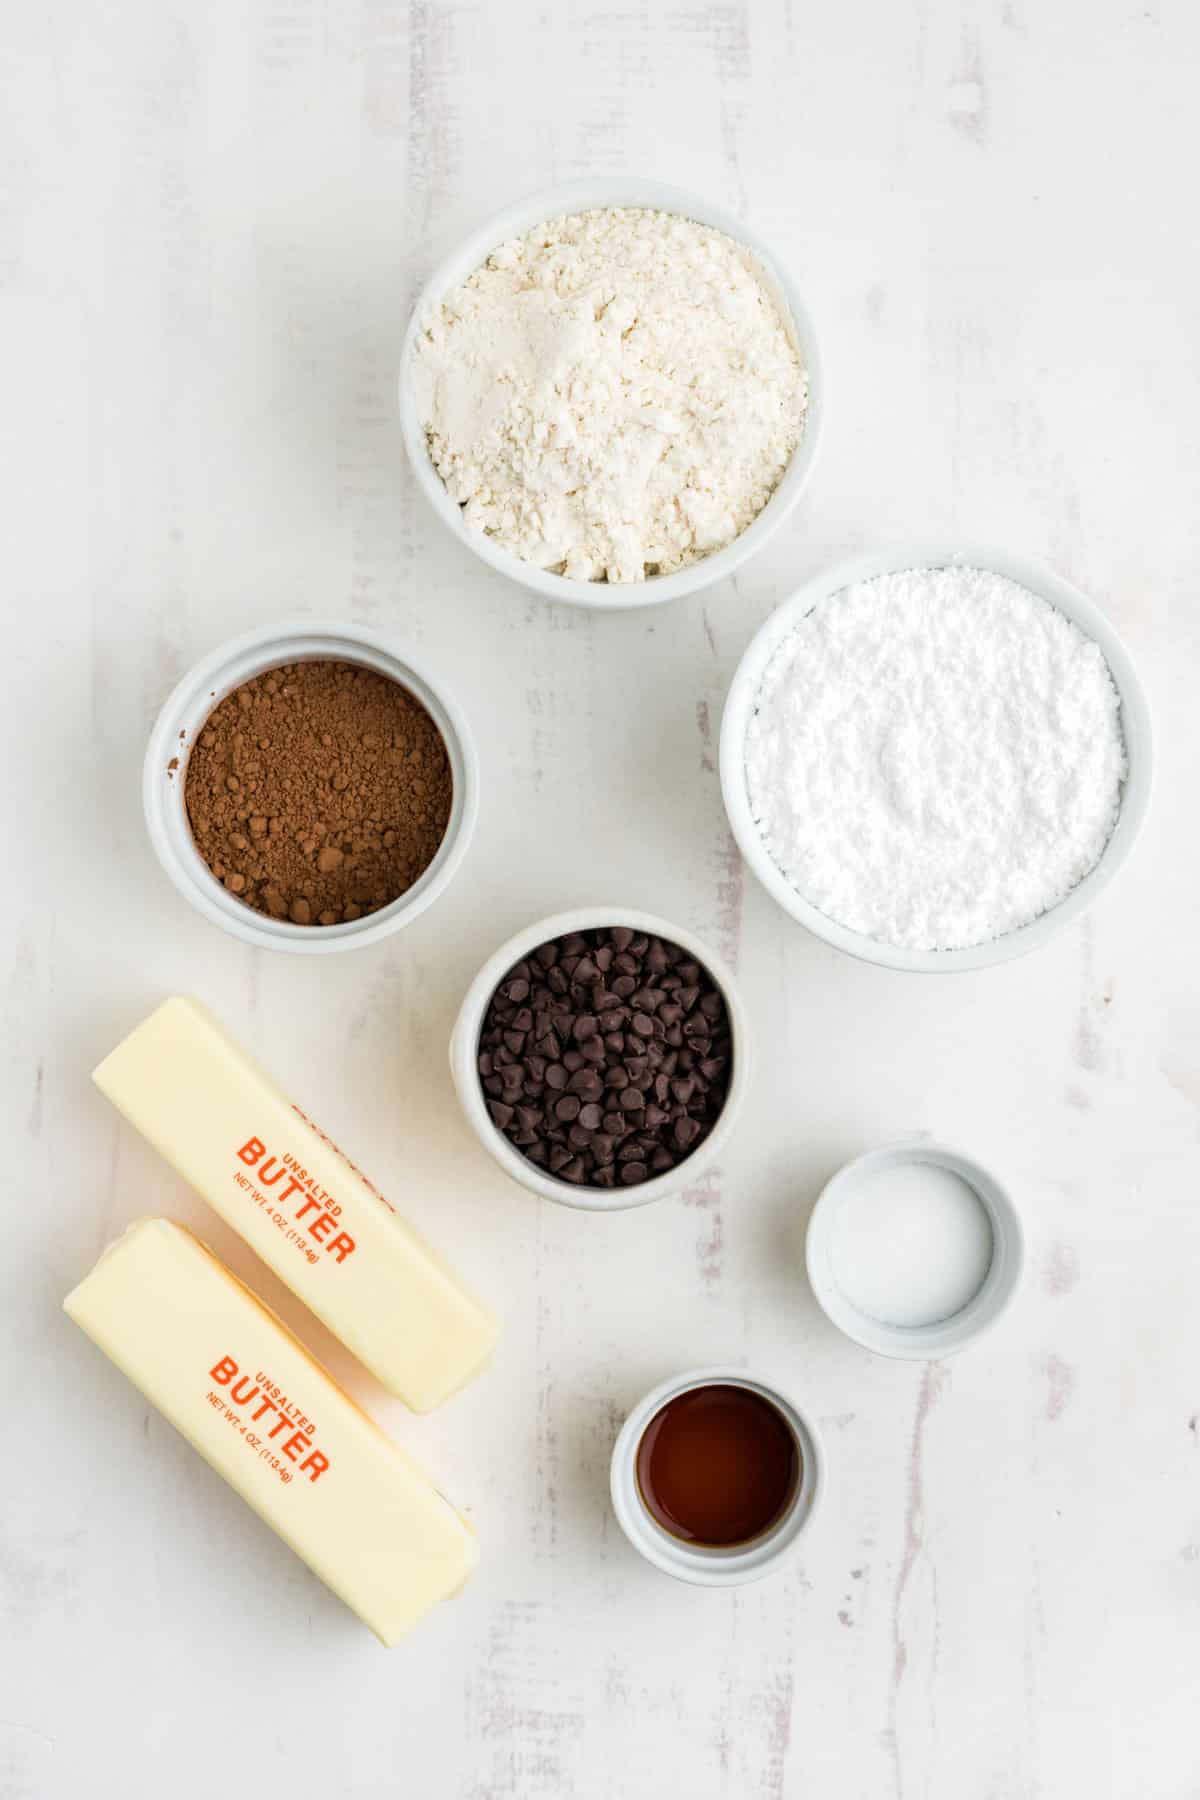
{"points": [[601, 1057], [308, 787]]}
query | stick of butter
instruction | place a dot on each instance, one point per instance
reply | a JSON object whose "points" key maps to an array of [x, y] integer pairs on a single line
{"points": [[299, 1202], [249, 1397]]}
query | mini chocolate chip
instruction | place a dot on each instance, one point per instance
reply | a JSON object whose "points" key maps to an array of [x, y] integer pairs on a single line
{"points": [[685, 1132], [589, 1116], [501, 1115], [632, 1172], [557, 1076], [567, 1107]]}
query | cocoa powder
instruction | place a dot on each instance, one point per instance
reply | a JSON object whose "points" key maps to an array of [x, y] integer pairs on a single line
{"points": [[318, 792]]}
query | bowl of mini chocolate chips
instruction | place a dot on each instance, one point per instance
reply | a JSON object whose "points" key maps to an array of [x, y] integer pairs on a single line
{"points": [[601, 1056], [308, 787]]}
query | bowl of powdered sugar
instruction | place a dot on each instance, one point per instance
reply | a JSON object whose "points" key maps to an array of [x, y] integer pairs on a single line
{"points": [[611, 393], [935, 760]]}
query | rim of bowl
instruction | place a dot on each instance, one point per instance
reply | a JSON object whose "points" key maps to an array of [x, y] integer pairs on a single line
{"points": [[577, 196], [1135, 727], [715, 1567], [945, 1337], [182, 716], [464, 1039]]}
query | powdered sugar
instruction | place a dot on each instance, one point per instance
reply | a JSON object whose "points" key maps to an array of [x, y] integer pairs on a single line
{"points": [[935, 757], [613, 395]]}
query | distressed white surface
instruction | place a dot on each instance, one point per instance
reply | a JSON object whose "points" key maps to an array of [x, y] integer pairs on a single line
{"points": [[211, 221]]}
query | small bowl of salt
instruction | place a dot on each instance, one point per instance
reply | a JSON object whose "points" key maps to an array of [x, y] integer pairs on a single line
{"points": [[934, 759], [914, 1250]]}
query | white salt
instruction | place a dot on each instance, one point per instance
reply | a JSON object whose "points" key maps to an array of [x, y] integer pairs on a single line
{"points": [[935, 757], [910, 1244]]}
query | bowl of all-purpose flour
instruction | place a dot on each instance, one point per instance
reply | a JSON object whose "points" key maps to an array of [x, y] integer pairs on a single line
{"points": [[935, 759], [611, 393]]}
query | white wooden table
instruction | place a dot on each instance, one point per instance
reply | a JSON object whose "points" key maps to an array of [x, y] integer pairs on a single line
{"points": [[212, 220]]}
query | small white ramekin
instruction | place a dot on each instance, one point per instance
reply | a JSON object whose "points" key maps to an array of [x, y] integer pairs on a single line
{"points": [[743, 699], [689, 1562], [947, 1336], [464, 1046], [579, 196], [183, 717]]}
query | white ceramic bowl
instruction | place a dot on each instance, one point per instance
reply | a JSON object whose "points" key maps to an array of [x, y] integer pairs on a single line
{"points": [[688, 1562], [946, 1336], [464, 1043], [183, 716], [579, 196], [743, 698]]}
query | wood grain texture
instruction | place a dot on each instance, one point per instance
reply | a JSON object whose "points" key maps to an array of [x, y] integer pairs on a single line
{"points": [[212, 223]]}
